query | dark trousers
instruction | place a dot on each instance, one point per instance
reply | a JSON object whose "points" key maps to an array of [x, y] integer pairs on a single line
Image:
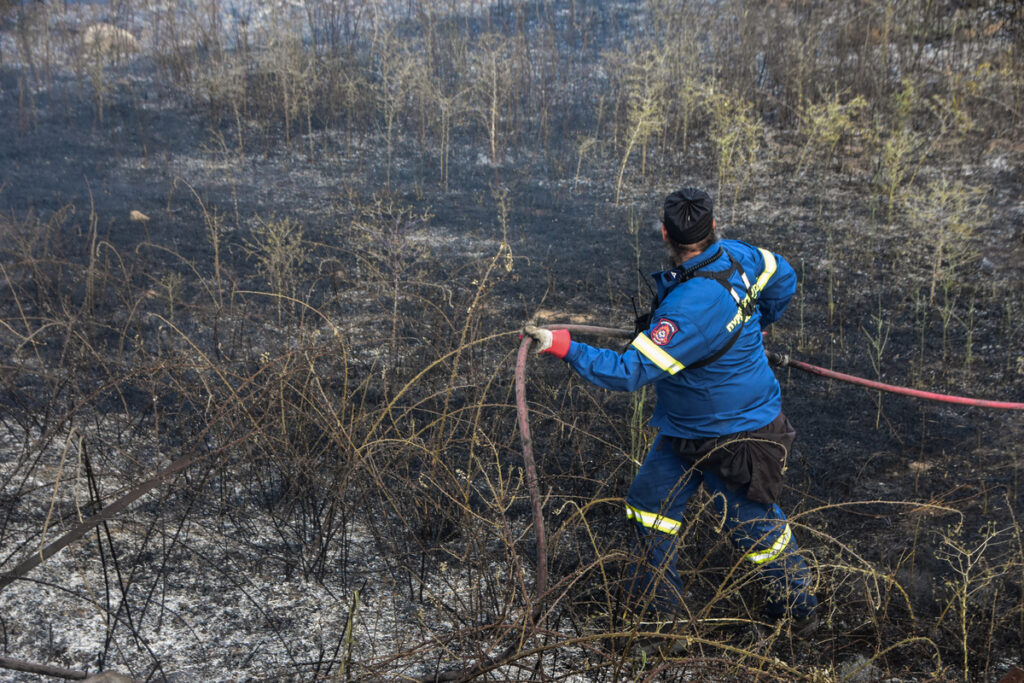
{"points": [[656, 502]]}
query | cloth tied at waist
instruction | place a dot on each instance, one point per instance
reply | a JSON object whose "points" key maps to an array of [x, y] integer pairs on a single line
{"points": [[755, 460]]}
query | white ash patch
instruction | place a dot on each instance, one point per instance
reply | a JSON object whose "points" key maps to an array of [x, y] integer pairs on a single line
{"points": [[454, 242], [226, 624], [210, 598]]}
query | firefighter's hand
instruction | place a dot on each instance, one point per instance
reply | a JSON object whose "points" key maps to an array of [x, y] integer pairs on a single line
{"points": [[552, 342], [541, 336]]}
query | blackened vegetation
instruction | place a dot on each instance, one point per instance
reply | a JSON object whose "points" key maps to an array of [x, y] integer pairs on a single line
{"points": [[347, 211]]}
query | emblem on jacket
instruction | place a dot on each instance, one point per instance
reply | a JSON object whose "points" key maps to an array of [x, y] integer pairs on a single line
{"points": [[663, 331]]}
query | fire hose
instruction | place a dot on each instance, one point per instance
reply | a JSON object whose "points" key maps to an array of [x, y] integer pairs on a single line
{"points": [[528, 461], [775, 358], [783, 360], [533, 485]]}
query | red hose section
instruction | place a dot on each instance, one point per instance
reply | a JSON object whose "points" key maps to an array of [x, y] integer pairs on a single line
{"points": [[531, 472], [537, 503], [529, 463], [594, 329], [532, 481], [783, 360]]}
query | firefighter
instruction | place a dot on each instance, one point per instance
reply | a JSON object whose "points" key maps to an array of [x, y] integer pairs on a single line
{"points": [[719, 410]]}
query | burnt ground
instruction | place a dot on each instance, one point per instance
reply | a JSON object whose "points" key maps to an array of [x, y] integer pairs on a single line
{"points": [[902, 503]]}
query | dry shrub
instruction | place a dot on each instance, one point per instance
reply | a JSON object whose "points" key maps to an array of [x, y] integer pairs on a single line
{"points": [[736, 133]]}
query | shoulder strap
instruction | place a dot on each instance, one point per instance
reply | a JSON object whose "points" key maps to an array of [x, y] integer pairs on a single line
{"points": [[680, 275], [717, 354], [744, 304]]}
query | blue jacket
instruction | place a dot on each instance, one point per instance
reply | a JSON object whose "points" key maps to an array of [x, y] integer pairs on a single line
{"points": [[738, 392]]}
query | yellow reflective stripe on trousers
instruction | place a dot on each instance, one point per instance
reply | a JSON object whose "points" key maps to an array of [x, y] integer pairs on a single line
{"points": [[656, 354], [781, 543], [653, 520]]}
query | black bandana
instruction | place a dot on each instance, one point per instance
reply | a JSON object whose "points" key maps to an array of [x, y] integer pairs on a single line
{"points": [[688, 215]]}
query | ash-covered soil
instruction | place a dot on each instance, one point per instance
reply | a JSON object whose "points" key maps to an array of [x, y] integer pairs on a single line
{"points": [[359, 509]]}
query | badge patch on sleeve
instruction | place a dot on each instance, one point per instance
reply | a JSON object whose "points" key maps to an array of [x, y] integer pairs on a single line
{"points": [[663, 331]]}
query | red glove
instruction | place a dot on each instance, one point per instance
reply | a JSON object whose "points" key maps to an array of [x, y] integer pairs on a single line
{"points": [[552, 342]]}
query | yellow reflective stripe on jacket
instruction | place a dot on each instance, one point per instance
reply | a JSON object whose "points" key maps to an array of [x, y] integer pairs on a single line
{"points": [[770, 266], [781, 543], [653, 520], [656, 354]]}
